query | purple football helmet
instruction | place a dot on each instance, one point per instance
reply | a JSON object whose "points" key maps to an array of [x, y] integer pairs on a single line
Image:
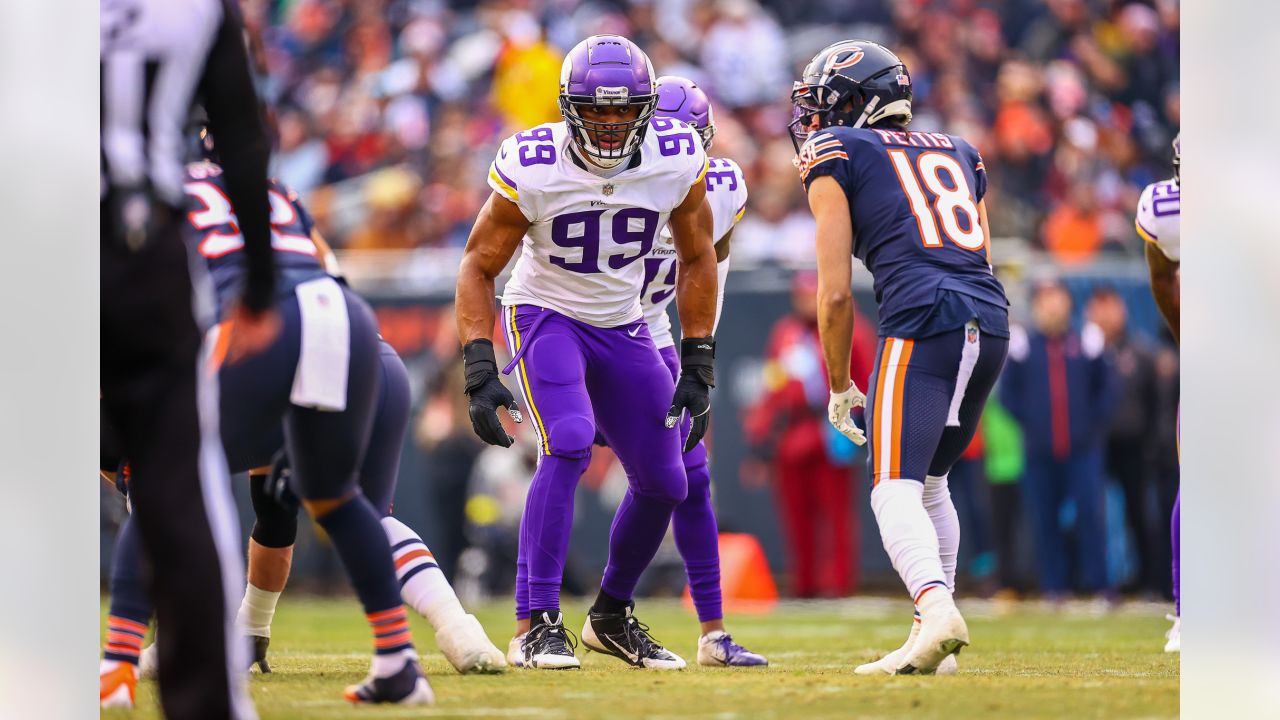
{"points": [[681, 98], [607, 70]]}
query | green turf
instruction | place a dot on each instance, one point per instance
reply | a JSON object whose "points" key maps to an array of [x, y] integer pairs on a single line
{"points": [[1025, 662]]}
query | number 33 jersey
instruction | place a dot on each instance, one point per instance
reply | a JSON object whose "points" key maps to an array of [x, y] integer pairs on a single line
{"points": [[582, 256], [727, 198], [913, 199]]}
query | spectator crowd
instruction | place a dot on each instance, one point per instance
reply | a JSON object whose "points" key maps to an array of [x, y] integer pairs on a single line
{"points": [[389, 111]]}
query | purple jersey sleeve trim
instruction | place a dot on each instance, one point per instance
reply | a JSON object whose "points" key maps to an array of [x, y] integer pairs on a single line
{"points": [[1144, 232], [504, 177]]}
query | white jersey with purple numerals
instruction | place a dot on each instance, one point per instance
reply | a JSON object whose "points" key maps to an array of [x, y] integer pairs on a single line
{"points": [[588, 234], [727, 197], [1158, 219]]}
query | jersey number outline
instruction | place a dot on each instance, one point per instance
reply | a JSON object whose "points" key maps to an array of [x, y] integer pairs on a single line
{"points": [[218, 212], [948, 204]]}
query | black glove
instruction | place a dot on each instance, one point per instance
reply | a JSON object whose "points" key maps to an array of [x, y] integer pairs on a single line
{"points": [[487, 393], [693, 389]]}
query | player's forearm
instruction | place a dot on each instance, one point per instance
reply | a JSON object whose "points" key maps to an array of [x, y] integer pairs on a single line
{"points": [[1164, 288], [473, 302], [696, 295], [722, 276], [835, 327]]}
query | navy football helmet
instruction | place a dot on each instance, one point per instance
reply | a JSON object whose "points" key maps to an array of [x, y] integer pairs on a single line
{"points": [[854, 83]]}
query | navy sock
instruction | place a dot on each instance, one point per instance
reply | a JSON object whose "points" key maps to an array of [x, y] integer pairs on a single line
{"points": [[357, 535], [131, 609]]}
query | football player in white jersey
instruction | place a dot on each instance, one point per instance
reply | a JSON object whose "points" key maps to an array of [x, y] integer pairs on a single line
{"points": [[1159, 223], [694, 520], [583, 200]]}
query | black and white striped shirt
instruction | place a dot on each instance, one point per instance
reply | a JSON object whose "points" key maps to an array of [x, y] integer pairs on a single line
{"points": [[158, 58]]}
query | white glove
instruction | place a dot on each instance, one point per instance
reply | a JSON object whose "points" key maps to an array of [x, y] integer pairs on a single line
{"points": [[838, 409]]}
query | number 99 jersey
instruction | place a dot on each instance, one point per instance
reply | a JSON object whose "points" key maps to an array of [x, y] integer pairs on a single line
{"points": [[587, 233], [913, 199]]}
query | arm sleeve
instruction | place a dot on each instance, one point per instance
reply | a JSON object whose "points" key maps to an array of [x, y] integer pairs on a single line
{"points": [[244, 149]]}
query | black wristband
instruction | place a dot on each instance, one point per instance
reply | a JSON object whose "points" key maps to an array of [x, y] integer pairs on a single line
{"points": [[479, 363], [698, 358]]}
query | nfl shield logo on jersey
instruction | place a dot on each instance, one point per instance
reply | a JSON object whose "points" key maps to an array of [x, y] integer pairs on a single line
{"points": [[971, 334], [607, 190]]}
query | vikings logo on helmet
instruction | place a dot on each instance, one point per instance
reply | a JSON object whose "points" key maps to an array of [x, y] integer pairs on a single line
{"points": [[607, 70]]}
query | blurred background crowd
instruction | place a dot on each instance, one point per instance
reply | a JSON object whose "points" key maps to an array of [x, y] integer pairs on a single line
{"points": [[389, 111]]}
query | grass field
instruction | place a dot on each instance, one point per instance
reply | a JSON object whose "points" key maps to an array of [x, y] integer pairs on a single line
{"points": [[1026, 662]]}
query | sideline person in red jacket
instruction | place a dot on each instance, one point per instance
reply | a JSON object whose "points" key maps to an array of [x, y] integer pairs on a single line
{"points": [[813, 468]]}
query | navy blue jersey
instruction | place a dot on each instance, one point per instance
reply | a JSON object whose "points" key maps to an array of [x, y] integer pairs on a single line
{"points": [[215, 233], [913, 198]]}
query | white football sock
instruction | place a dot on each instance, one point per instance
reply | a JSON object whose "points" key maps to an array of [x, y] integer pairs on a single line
{"points": [[257, 610], [937, 502], [907, 533], [423, 586]]}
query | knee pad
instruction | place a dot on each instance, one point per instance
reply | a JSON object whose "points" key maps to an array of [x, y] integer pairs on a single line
{"points": [[571, 436], [276, 525]]}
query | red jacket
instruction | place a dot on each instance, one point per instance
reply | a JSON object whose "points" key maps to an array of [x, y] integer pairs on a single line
{"points": [[787, 420]]}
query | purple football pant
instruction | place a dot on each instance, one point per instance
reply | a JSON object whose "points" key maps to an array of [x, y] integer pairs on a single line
{"points": [[576, 378], [694, 520]]}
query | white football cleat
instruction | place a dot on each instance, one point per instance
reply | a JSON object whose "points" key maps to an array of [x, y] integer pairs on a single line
{"points": [[1173, 643], [467, 647], [888, 665], [117, 684], [515, 651], [148, 661], [942, 632]]}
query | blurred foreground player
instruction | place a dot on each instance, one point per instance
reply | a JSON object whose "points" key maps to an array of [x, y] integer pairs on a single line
{"points": [[1159, 223], [319, 382], [909, 205], [300, 250], [157, 58], [584, 200]]}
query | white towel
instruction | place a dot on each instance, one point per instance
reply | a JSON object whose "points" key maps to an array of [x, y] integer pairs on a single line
{"points": [[324, 357], [968, 359]]}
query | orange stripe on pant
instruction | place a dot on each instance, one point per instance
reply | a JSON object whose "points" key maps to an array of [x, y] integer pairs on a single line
{"points": [[899, 388], [879, 408]]}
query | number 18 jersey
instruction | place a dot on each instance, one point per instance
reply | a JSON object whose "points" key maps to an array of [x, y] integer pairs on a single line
{"points": [[587, 233], [913, 198]]}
